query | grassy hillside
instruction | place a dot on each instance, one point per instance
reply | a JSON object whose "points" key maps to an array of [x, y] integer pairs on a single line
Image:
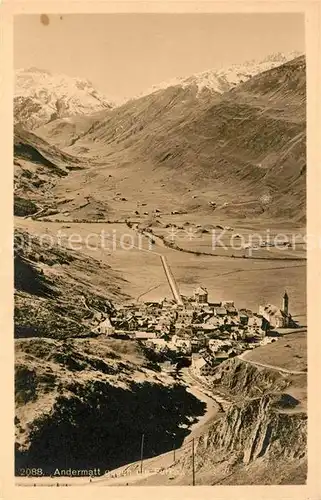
{"points": [[60, 293], [38, 166], [289, 353]]}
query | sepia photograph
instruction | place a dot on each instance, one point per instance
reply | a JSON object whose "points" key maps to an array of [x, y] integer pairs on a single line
{"points": [[160, 249]]}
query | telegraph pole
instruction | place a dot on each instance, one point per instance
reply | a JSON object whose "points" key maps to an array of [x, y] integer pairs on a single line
{"points": [[141, 454], [193, 462]]}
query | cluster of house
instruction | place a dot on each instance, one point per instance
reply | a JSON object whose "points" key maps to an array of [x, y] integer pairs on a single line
{"points": [[209, 332]]}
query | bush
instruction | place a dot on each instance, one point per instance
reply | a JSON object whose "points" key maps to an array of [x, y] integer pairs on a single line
{"points": [[23, 207]]}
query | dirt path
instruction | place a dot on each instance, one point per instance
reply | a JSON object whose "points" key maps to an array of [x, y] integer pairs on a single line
{"points": [[271, 367], [147, 291]]}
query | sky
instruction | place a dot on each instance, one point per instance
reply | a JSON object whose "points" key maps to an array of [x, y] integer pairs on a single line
{"points": [[125, 54]]}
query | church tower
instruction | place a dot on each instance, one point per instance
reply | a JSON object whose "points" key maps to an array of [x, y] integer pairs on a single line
{"points": [[285, 304]]}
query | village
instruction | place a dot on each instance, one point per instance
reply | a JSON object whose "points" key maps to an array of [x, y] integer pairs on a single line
{"points": [[204, 333]]}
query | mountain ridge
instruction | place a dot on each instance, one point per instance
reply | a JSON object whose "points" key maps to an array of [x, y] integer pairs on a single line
{"points": [[225, 78]]}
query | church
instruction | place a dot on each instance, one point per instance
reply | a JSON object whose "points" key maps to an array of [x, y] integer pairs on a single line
{"points": [[275, 317]]}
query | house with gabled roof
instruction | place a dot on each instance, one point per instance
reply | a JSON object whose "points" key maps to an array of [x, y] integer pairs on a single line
{"points": [[201, 295]]}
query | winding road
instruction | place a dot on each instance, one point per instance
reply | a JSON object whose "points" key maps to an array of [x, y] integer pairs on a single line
{"points": [[271, 367]]}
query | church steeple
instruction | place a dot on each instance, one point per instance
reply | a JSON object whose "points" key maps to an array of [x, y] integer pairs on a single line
{"points": [[285, 303]]}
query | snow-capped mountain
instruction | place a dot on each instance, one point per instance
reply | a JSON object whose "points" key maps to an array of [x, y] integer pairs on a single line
{"points": [[41, 97], [223, 79]]}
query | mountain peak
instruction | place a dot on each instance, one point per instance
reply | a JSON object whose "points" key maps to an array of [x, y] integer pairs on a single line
{"points": [[41, 97], [283, 57], [33, 69]]}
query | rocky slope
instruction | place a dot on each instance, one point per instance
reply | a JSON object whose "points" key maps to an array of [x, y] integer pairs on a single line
{"points": [[241, 379], [257, 442], [260, 439], [41, 97], [235, 148]]}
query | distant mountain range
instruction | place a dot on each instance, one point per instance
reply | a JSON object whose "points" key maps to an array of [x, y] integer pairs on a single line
{"points": [[223, 79], [41, 97], [182, 149]]}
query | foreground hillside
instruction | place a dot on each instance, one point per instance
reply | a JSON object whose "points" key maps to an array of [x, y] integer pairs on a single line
{"points": [[236, 150], [84, 403], [260, 439]]}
